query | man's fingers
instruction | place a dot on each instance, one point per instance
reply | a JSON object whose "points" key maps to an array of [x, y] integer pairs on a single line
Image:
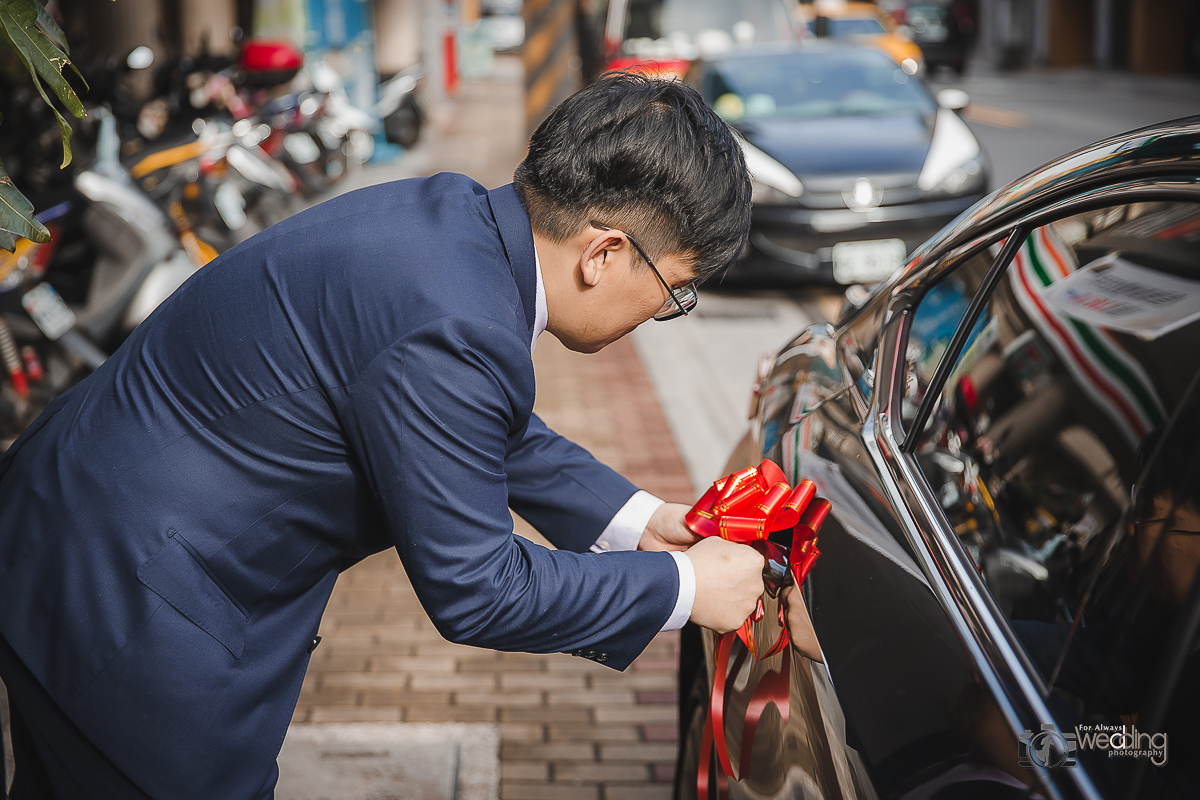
{"points": [[728, 583], [666, 529]]}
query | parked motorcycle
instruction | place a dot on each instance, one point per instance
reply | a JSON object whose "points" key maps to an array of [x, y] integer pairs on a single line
{"points": [[344, 122], [158, 188], [112, 258], [317, 133], [210, 174], [399, 107]]}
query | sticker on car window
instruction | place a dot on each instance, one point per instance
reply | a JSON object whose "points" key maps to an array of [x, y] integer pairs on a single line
{"points": [[1123, 296]]}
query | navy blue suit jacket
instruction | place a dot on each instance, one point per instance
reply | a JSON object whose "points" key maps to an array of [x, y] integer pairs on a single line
{"points": [[356, 378]]}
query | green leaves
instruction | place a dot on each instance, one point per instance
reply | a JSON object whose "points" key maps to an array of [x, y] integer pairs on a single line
{"points": [[41, 46], [21, 27], [50, 27], [16, 215]]}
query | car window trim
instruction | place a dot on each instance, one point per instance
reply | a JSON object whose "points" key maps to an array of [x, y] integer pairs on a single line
{"points": [[984, 633], [951, 237], [949, 359], [978, 596], [1142, 190], [993, 634]]}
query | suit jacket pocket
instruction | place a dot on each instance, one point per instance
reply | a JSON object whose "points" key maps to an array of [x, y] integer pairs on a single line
{"points": [[176, 574]]}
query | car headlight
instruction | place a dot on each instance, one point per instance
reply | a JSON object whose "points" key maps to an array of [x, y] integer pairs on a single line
{"points": [[968, 178], [771, 182], [954, 165], [766, 194]]}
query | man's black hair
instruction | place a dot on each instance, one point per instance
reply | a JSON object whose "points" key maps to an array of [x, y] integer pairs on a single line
{"points": [[645, 156]]}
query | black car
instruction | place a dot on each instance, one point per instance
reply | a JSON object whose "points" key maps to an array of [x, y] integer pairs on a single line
{"points": [[1006, 604], [944, 31], [853, 160]]}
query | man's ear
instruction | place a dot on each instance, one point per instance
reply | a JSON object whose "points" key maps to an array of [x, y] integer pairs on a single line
{"points": [[601, 251]]}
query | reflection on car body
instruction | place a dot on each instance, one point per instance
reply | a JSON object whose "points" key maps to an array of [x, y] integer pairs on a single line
{"points": [[1009, 430], [853, 160]]}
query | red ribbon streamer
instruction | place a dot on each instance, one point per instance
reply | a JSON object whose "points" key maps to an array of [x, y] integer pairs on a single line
{"points": [[747, 507]]}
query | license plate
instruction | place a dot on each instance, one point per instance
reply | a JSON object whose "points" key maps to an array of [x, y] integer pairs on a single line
{"points": [[867, 262], [48, 310]]}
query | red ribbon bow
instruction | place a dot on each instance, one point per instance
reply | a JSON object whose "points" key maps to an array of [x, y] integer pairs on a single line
{"points": [[747, 507]]}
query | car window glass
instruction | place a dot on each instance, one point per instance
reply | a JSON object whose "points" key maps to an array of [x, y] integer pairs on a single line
{"points": [[803, 85], [935, 319], [686, 28], [1047, 454], [850, 26], [930, 23]]}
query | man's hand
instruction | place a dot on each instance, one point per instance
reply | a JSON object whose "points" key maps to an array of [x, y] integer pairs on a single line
{"points": [[666, 531], [728, 583], [800, 627]]}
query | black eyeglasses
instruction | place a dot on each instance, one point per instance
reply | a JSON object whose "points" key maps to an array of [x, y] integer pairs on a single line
{"points": [[682, 299]]}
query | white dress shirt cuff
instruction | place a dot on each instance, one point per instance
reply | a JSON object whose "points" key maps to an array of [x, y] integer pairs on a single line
{"points": [[687, 593], [625, 529], [624, 532]]}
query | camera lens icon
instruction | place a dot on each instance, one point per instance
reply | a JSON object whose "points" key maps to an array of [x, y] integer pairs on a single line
{"points": [[1047, 748]]}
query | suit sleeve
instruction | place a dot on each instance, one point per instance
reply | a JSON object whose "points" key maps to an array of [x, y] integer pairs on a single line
{"points": [[429, 420], [562, 490]]}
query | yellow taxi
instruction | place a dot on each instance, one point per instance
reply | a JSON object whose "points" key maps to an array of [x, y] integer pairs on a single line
{"points": [[865, 23]]}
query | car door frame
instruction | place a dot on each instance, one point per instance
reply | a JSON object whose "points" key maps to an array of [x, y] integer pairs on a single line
{"points": [[993, 647]]}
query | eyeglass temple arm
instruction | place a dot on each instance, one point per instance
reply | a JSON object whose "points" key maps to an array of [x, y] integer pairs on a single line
{"points": [[653, 268]]}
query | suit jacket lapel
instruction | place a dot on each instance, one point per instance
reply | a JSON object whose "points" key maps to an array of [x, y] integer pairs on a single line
{"points": [[517, 237]]}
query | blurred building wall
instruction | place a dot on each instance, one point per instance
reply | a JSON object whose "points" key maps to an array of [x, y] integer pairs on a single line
{"points": [[397, 34], [168, 27], [1070, 33], [281, 19], [1158, 35], [99, 30], [102, 27], [551, 56], [205, 24], [1143, 36]]}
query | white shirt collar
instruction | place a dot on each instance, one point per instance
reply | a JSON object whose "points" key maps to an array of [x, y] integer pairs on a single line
{"points": [[541, 314]]}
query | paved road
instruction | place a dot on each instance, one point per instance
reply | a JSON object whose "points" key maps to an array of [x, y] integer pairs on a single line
{"points": [[703, 367], [1028, 119]]}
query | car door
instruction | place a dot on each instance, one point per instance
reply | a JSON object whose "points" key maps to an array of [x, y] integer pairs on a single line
{"points": [[993, 597], [1069, 391], [893, 659], [880, 716]]}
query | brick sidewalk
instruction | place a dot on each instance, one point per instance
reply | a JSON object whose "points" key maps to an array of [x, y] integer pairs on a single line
{"points": [[569, 728]]}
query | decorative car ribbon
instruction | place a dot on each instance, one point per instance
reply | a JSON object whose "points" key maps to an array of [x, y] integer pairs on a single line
{"points": [[747, 507]]}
